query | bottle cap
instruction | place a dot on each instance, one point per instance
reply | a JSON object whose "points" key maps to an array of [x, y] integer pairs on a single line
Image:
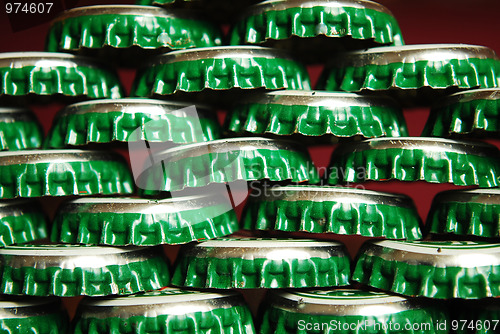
{"points": [[30, 74], [21, 221], [37, 173], [430, 269], [317, 113], [347, 311], [73, 270], [435, 160], [314, 30], [219, 75], [228, 160], [262, 263], [415, 74], [125, 120], [32, 315], [128, 32], [474, 112], [469, 212], [142, 222], [168, 310], [321, 209], [19, 130]]}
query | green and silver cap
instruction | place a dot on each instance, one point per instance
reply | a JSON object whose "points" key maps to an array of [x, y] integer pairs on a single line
{"points": [[228, 160], [415, 74], [262, 263], [142, 222], [466, 213], [434, 160], [315, 29], [471, 113], [36, 173], [74, 270], [128, 33], [21, 221], [348, 311], [132, 120], [442, 270], [317, 113], [322, 209], [169, 310], [32, 315], [43, 75], [219, 75], [19, 130]]}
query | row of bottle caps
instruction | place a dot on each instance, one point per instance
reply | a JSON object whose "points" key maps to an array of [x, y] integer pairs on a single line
{"points": [[283, 311]]}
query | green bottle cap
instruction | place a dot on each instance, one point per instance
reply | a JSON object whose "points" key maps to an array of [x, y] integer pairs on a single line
{"points": [[415, 74], [74, 270], [431, 269], [21, 221], [317, 113], [63, 173], [349, 311], [19, 130], [474, 112], [142, 222], [32, 315], [167, 311], [470, 212], [228, 160], [435, 160], [262, 263], [219, 75], [314, 30], [321, 209], [127, 32], [125, 120], [30, 74]]}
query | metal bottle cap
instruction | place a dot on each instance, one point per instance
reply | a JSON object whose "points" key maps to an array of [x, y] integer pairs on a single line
{"points": [[262, 263], [21, 221], [468, 212], [433, 160], [433, 269], [142, 222], [415, 74], [322, 209], [314, 30], [317, 113], [167, 308], [228, 160], [127, 33], [125, 120], [73, 270], [473, 112], [30, 74], [62, 173], [219, 75], [19, 130], [347, 311]]}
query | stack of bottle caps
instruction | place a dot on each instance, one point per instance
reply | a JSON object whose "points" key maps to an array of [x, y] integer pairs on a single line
{"points": [[187, 173]]}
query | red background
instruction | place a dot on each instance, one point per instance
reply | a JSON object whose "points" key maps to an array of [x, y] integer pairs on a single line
{"points": [[424, 21]]}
